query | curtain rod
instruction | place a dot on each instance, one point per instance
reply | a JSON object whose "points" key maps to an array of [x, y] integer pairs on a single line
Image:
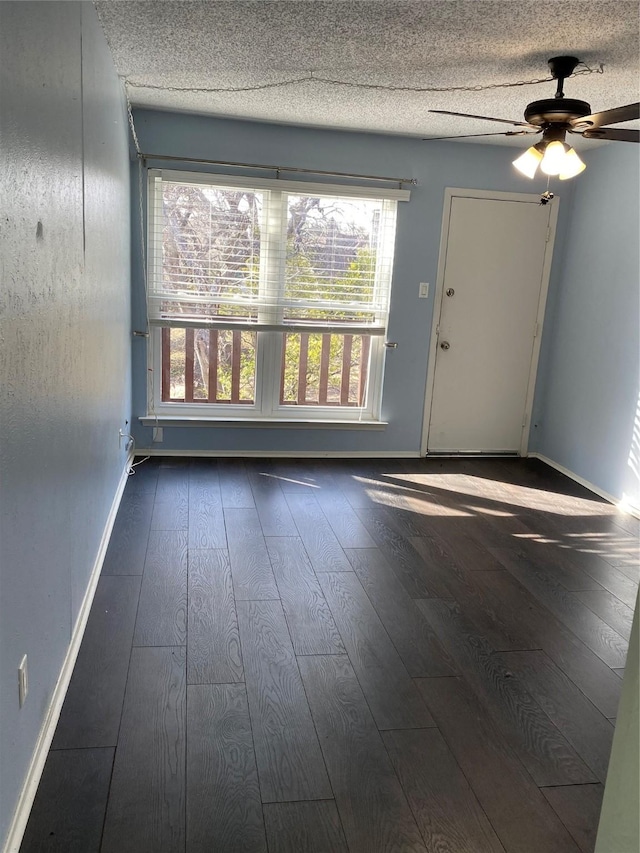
{"points": [[278, 169]]}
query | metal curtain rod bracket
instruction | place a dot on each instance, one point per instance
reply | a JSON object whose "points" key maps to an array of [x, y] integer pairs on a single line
{"points": [[278, 169]]}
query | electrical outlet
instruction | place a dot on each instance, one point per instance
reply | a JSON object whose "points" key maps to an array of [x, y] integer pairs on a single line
{"points": [[23, 681], [157, 435], [423, 291]]}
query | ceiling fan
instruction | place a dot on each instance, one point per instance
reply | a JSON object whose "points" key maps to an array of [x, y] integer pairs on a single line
{"points": [[554, 118]]}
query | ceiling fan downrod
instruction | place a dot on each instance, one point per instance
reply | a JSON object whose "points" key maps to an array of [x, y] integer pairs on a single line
{"points": [[557, 110], [562, 67]]}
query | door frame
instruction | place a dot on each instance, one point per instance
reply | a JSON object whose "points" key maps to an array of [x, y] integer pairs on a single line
{"points": [[531, 198]]}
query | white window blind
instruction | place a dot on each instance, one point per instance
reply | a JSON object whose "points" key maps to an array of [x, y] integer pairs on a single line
{"points": [[269, 255]]}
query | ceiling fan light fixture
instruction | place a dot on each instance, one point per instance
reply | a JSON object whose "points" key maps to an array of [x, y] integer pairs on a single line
{"points": [[527, 163], [572, 165], [554, 158]]}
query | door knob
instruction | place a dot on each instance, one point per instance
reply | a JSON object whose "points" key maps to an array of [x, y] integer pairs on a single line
{"points": [[450, 291], [445, 345]]}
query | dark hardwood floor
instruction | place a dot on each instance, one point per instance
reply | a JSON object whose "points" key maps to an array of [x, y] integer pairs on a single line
{"points": [[305, 656]]}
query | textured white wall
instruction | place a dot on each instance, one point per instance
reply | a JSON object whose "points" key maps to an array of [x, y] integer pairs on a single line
{"points": [[64, 344]]}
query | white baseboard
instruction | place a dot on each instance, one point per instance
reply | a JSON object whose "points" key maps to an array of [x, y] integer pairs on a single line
{"points": [[288, 454], [623, 506], [39, 757]]}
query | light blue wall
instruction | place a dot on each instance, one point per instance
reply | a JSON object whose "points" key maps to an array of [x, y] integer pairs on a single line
{"points": [[436, 165], [588, 400], [64, 344]]}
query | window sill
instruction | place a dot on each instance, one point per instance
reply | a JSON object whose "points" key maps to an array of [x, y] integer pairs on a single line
{"points": [[270, 423]]}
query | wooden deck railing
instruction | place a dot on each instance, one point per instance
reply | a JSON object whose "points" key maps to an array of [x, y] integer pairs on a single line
{"points": [[317, 369], [191, 386], [344, 376]]}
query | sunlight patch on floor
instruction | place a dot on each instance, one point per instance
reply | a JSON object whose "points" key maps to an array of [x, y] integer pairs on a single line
{"points": [[291, 480], [496, 513], [515, 495]]}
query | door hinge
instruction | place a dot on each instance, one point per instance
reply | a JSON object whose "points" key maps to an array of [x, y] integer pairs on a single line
{"points": [[536, 329], [548, 237]]}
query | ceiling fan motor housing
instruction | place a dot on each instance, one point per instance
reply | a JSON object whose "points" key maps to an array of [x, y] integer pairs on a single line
{"points": [[555, 111]]}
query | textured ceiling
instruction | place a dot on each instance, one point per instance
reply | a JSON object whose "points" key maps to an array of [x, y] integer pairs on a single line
{"points": [[432, 43]]}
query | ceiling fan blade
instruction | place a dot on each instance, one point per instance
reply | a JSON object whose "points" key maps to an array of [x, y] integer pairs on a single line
{"points": [[484, 118], [620, 134], [470, 135], [613, 116]]}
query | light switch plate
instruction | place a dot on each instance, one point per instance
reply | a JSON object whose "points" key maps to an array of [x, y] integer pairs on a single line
{"points": [[423, 291]]}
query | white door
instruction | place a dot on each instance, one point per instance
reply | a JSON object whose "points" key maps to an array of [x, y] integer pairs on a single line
{"points": [[495, 267]]}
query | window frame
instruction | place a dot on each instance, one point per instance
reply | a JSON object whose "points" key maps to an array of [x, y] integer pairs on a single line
{"points": [[269, 341]]}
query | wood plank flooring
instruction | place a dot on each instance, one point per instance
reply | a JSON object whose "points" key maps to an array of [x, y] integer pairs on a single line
{"points": [[320, 656]]}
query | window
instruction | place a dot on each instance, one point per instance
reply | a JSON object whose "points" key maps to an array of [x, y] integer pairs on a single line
{"points": [[267, 299]]}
